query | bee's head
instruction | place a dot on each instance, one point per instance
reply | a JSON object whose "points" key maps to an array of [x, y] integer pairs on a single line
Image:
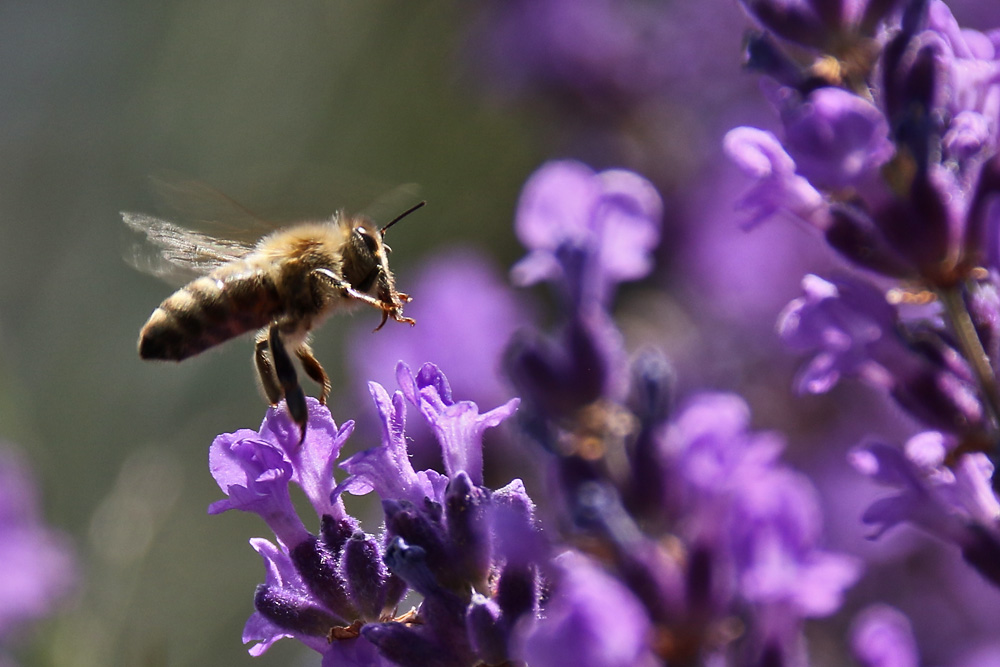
{"points": [[364, 256]]}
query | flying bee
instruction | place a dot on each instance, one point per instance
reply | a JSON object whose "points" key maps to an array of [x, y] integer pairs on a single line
{"points": [[283, 287]]}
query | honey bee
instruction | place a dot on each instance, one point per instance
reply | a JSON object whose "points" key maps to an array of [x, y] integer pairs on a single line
{"points": [[283, 287]]}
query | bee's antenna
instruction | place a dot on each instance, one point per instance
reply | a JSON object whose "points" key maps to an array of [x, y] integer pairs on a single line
{"points": [[400, 217]]}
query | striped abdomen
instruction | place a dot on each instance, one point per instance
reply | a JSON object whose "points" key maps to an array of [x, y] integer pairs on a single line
{"points": [[230, 301]]}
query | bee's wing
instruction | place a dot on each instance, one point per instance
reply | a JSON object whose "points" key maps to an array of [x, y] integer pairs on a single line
{"points": [[177, 254]]}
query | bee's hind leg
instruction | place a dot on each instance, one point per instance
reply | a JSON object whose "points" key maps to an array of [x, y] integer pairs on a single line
{"points": [[284, 371], [265, 369], [314, 370]]}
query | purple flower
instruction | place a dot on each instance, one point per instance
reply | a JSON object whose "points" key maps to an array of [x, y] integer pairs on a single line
{"points": [[592, 620], [762, 519], [955, 504], [596, 52], [458, 427], [853, 331], [843, 323], [837, 139], [882, 637], [39, 569], [254, 469], [446, 536], [586, 231], [780, 190]]}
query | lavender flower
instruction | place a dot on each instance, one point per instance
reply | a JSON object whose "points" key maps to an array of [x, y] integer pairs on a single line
{"points": [[743, 530], [891, 130], [446, 537], [39, 570]]}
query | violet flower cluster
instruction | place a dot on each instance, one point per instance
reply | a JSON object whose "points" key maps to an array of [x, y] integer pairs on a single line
{"points": [[890, 114], [38, 565], [660, 536], [461, 546]]}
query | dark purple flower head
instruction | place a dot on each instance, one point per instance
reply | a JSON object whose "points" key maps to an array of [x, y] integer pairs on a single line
{"points": [[903, 166], [819, 24], [37, 562], [586, 231]]}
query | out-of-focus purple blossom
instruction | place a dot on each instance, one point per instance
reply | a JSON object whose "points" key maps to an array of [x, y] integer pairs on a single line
{"points": [[599, 53], [779, 190], [592, 620], [842, 323], [956, 504], [586, 231], [882, 637], [837, 139], [37, 562], [853, 331], [757, 522], [904, 165]]}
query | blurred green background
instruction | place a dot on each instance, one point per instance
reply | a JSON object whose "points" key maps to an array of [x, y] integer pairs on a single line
{"points": [[292, 108]]}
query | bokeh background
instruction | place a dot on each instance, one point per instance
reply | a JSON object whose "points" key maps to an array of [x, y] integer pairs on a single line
{"points": [[297, 109]]}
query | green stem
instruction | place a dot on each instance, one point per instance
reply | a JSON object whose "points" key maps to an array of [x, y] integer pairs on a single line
{"points": [[972, 349]]}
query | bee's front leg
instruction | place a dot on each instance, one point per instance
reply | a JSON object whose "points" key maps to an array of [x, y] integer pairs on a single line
{"points": [[284, 371], [388, 308]]}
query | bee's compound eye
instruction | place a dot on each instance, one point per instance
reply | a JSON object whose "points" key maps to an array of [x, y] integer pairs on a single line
{"points": [[368, 239]]}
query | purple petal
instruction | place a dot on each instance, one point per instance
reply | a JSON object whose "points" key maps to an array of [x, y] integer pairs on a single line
{"points": [[255, 474], [312, 461], [458, 426], [386, 469], [778, 189], [837, 139]]}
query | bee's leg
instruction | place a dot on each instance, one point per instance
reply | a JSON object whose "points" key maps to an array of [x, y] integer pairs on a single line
{"points": [[265, 369], [314, 370], [284, 370], [388, 309]]}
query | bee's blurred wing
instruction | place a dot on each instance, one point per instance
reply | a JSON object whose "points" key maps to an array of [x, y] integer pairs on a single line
{"points": [[176, 254]]}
